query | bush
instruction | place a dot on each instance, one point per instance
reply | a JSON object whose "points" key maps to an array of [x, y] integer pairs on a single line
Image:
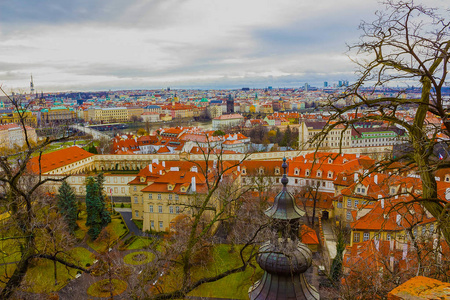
{"points": [[122, 205], [88, 265]]}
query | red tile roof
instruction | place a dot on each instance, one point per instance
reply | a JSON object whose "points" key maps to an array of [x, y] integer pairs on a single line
{"points": [[57, 159]]}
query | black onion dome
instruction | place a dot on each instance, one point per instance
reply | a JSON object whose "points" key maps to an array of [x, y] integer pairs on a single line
{"points": [[284, 206], [272, 259]]}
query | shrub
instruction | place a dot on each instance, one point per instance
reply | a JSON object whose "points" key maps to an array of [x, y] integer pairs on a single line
{"points": [[122, 205]]}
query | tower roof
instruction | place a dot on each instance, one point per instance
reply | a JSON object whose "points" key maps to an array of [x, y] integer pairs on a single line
{"points": [[284, 206]]}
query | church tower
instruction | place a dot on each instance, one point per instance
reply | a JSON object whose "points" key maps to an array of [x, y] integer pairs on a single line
{"points": [[284, 259]]}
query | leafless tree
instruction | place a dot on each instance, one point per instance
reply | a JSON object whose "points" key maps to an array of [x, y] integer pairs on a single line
{"points": [[407, 44], [24, 203]]}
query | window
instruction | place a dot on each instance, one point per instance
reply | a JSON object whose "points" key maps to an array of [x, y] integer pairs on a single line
{"points": [[170, 196], [363, 190], [150, 208], [161, 224], [388, 236], [330, 174], [349, 215], [307, 172], [134, 188], [152, 224], [159, 196], [431, 228], [356, 203], [339, 204], [366, 236], [358, 190], [150, 196], [349, 202], [415, 232], [177, 197], [135, 200], [424, 230], [171, 209], [296, 171], [136, 213], [356, 236], [160, 209], [376, 236], [177, 209]]}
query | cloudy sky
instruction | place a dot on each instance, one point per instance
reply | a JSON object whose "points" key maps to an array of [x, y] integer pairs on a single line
{"points": [[83, 45]]}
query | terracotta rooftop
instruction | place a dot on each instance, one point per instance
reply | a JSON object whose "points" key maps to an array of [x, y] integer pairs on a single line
{"points": [[57, 159]]}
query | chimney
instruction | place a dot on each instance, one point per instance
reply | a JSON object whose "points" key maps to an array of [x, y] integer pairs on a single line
{"points": [[193, 185], [399, 220], [194, 169], [155, 160], [382, 203], [355, 177], [391, 244], [238, 168], [150, 168], [164, 164], [377, 244], [375, 179], [391, 263]]}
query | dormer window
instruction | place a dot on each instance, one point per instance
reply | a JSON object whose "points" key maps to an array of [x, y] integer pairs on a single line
{"points": [[296, 171], [330, 161], [330, 174], [447, 178], [344, 160], [261, 171], [307, 172], [244, 171], [170, 187], [142, 179], [319, 173]]}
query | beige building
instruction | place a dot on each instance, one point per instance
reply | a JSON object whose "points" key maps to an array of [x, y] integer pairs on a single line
{"points": [[13, 136], [108, 115], [336, 138]]}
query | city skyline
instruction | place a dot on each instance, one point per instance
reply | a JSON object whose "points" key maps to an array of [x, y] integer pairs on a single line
{"points": [[92, 45]]}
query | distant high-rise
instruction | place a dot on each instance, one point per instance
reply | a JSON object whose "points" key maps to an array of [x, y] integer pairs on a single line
{"points": [[306, 87], [325, 84], [230, 104]]}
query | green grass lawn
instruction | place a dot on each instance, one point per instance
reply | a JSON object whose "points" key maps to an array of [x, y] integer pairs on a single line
{"points": [[234, 286], [128, 259], [40, 277], [140, 243], [241, 282], [119, 205], [117, 230], [9, 251]]}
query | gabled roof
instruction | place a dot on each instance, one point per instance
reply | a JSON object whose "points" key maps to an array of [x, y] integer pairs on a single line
{"points": [[57, 159]]}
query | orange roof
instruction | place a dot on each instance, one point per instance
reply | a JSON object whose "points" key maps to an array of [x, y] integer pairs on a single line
{"points": [[308, 236], [57, 159]]}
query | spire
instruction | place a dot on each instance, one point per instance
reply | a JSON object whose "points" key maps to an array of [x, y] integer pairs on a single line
{"points": [[31, 85], [284, 207], [285, 260]]}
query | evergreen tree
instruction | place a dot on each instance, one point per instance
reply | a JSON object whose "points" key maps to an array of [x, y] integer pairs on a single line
{"points": [[93, 208], [97, 215], [104, 215], [67, 205], [287, 137]]}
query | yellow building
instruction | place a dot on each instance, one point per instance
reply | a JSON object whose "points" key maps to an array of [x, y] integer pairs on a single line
{"points": [[162, 192], [8, 116], [108, 115], [57, 114]]}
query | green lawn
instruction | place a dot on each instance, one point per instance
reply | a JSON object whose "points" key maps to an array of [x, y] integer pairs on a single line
{"points": [[240, 282], [40, 277], [234, 286], [140, 243], [117, 230], [128, 259], [9, 251]]}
